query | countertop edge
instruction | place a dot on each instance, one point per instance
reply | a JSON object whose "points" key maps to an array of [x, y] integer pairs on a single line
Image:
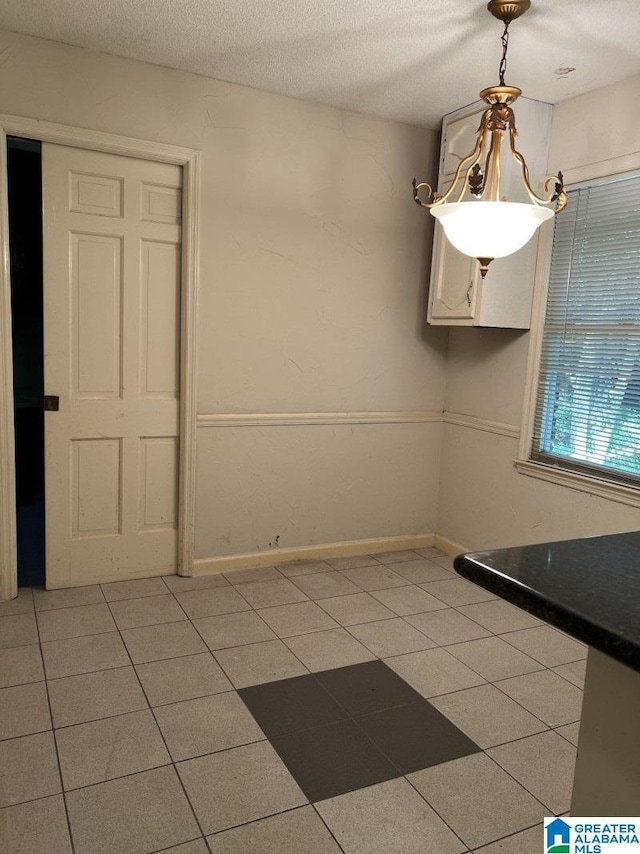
{"points": [[584, 630]]}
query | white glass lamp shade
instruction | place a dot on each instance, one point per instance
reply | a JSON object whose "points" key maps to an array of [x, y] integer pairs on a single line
{"points": [[490, 229]]}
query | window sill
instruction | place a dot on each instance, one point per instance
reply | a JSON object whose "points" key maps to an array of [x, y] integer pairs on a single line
{"points": [[582, 482]]}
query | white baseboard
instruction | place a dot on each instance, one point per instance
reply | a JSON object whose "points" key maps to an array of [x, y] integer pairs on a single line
{"points": [[348, 548], [448, 546]]}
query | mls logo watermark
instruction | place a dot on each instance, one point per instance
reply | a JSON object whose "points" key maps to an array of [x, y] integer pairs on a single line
{"points": [[557, 834], [593, 835]]}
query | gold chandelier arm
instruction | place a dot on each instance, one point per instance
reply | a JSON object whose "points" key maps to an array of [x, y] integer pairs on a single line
{"points": [[474, 158], [492, 168], [558, 195], [525, 169], [416, 194], [466, 163]]}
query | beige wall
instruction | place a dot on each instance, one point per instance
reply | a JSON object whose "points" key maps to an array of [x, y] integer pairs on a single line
{"points": [[483, 501], [312, 292], [346, 482], [313, 276]]}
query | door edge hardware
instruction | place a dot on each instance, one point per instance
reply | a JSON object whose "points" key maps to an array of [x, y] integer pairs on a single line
{"points": [[51, 403]]}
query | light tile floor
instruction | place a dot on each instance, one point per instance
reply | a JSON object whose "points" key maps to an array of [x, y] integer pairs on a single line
{"points": [[122, 731]]}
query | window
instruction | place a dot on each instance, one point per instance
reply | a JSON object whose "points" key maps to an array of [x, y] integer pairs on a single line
{"points": [[587, 416]]}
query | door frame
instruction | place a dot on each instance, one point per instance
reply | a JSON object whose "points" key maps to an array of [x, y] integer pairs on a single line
{"points": [[109, 143]]}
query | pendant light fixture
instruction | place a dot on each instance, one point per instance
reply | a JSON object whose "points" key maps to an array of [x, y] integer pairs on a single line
{"points": [[490, 226]]}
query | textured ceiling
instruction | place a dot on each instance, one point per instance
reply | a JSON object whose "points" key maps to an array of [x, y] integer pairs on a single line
{"points": [[412, 60]]}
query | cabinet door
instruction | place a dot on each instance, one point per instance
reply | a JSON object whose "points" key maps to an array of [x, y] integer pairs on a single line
{"points": [[454, 281], [459, 141], [454, 276]]}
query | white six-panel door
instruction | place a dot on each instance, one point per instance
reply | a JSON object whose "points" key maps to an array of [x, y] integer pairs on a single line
{"points": [[111, 339]]}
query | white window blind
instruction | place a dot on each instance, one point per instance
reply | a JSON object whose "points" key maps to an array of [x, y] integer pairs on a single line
{"points": [[588, 405]]}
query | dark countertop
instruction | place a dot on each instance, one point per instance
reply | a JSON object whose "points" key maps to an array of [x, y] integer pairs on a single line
{"points": [[589, 588]]}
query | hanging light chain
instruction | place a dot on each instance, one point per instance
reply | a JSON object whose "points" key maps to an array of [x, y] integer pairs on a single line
{"points": [[505, 47]]}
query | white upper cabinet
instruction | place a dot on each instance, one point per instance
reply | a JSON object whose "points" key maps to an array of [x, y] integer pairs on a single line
{"points": [[458, 296]]}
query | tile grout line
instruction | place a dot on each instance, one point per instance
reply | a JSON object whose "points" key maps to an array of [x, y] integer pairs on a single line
{"points": [[55, 740], [495, 635], [236, 691], [188, 841], [538, 669], [130, 598], [494, 684], [281, 640], [346, 628], [251, 643], [354, 718], [255, 610], [171, 763], [329, 830], [515, 833], [553, 669], [566, 738], [510, 631], [549, 726], [446, 647], [406, 776], [138, 711], [259, 570], [395, 655], [313, 675], [509, 774], [273, 815], [540, 623], [145, 625], [342, 575], [443, 819]]}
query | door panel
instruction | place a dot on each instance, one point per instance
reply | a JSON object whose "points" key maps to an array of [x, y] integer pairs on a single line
{"points": [[158, 474], [161, 204], [96, 194], [96, 316], [96, 487], [112, 260], [159, 318]]}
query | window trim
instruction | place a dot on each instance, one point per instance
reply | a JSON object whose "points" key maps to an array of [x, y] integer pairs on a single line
{"points": [[591, 483]]}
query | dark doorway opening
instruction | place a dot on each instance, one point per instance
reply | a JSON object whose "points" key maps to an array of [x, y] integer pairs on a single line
{"points": [[24, 163]]}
